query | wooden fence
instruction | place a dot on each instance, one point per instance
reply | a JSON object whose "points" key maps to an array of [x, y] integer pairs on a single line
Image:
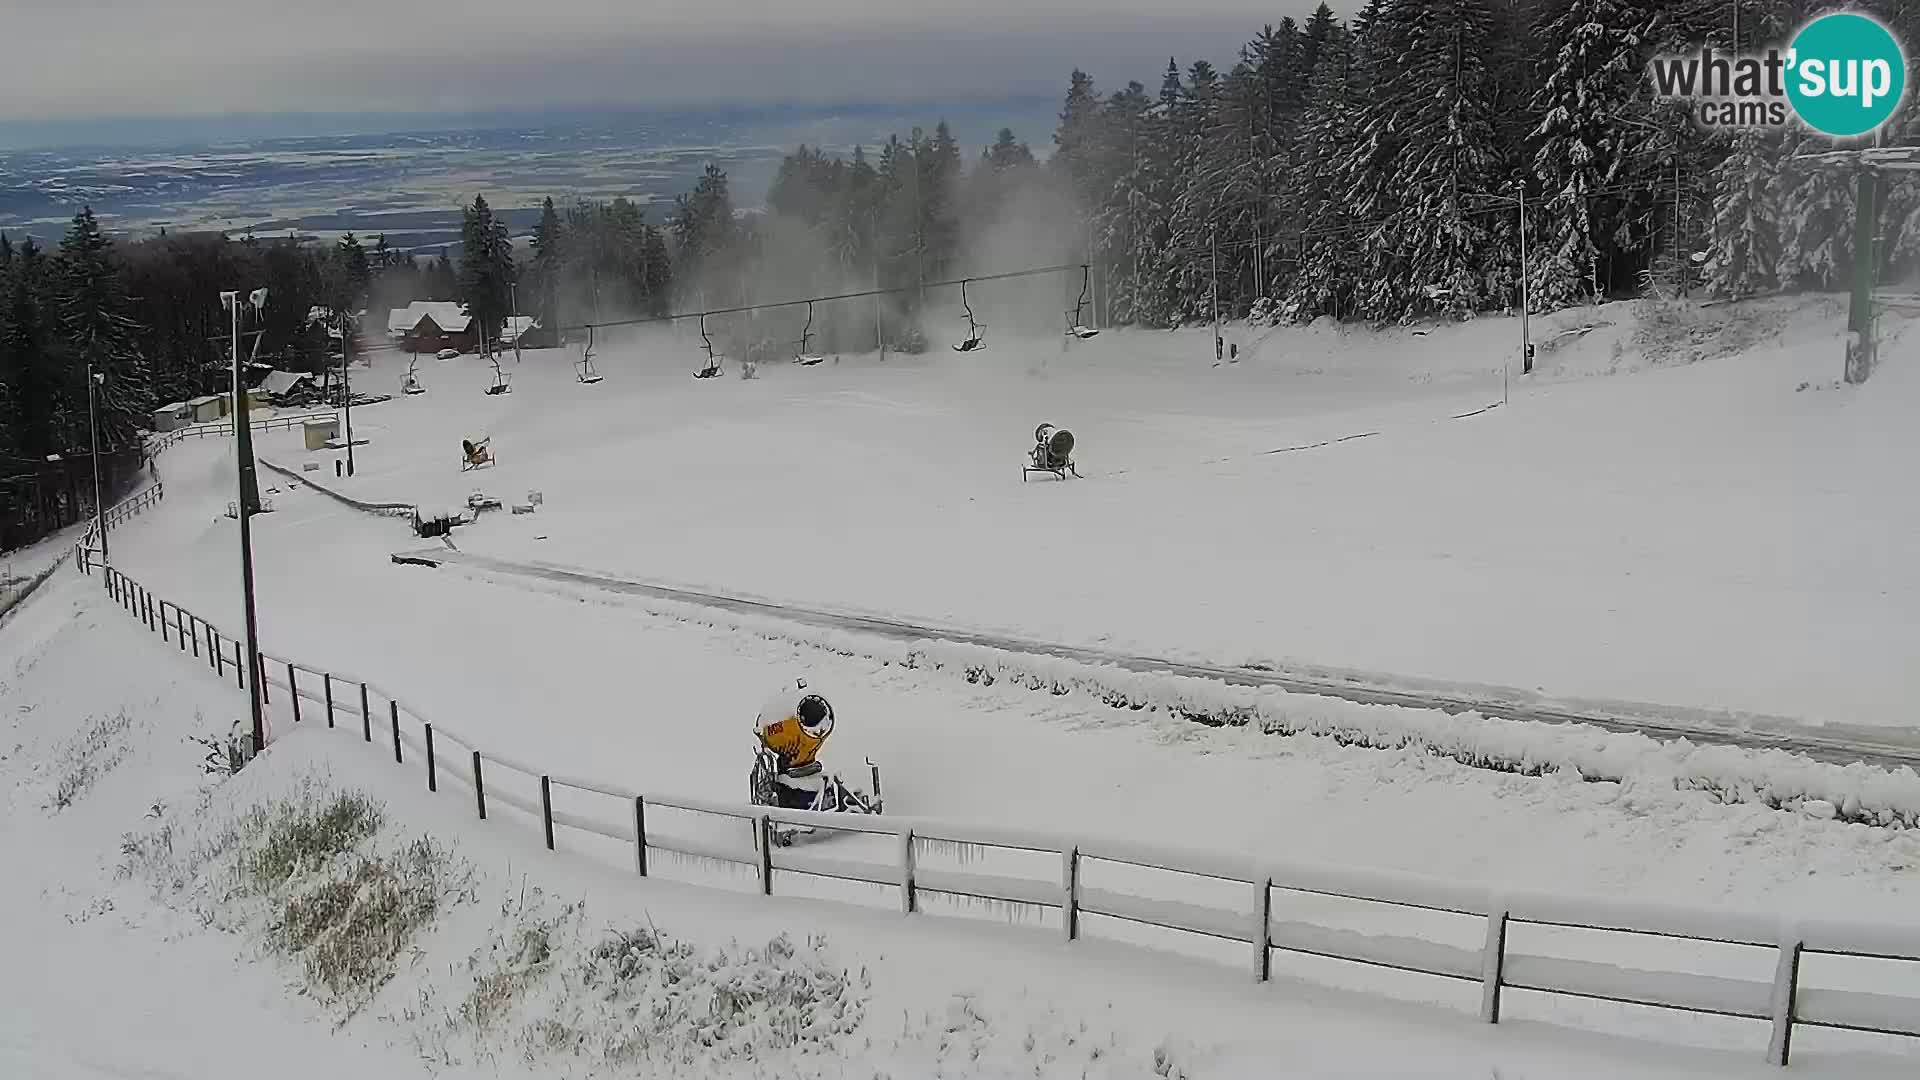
{"points": [[1784, 1002]]}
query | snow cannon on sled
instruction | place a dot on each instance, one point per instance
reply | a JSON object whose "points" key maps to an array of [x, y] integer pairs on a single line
{"points": [[1052, 453], [809, 787]]}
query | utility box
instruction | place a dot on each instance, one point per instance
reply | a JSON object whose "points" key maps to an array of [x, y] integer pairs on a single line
{"points": [[206, 409], [320, 430]]}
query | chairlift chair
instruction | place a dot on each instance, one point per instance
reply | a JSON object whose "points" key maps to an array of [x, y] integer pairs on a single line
{"points": [[1076, 322], [1052, 453], [713, 359], [584, 370], [974, 339], [410, 384], [801, 355], [502, 383]]}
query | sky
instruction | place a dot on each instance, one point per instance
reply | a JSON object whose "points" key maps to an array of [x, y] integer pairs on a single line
{"points": [[74, 61]]}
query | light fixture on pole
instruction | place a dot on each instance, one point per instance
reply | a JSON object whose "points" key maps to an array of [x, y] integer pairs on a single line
{"points": [[93, 426], [244, 509]]}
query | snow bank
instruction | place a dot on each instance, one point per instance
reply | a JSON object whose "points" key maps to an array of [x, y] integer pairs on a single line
{"points": [[1857, 793]]}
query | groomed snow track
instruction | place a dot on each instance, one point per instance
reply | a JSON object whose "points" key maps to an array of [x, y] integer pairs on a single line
{"points": [[1888, 748]]}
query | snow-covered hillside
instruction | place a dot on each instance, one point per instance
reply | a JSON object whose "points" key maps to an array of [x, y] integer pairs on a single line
{"points": [[140, 948], [1727, 534]]}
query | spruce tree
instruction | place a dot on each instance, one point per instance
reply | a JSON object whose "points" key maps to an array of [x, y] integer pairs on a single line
{"points": [[548, 258], [1582, 141], [94, 328], [486, 269], [1745, 248]]}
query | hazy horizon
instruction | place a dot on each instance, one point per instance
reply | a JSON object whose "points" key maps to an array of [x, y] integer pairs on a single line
{"points": [[359, 66]]}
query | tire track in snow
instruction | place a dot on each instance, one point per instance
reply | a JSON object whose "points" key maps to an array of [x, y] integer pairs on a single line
{"points": [[1889, 748]]}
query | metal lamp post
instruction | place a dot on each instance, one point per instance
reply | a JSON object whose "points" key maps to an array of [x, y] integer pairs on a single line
{"points": [[1526, 285], [93, 425], [243, 454]]}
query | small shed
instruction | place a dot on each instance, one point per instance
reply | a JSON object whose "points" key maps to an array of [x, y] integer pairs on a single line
{"points": [[169, 417], [320, 430], [259, 397], [206, 409]]}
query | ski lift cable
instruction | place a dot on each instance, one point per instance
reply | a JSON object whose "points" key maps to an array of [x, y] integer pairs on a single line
{"points": [[862, 294]]}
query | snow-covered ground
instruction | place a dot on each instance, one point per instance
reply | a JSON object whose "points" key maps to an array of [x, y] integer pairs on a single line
{"points": [[136, 974], [596, 687], [1665, 535], [1726, 534]]}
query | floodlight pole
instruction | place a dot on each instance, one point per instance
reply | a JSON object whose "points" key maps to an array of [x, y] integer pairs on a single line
{"points": [[1866, 216], [93, 426], [1213, 242], [243, 459], [1526, 293], [346, 388]]}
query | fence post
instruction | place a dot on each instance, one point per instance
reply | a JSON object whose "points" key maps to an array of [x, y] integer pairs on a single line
{"points": [[433, 781], [293, 692], [326, 682], [194, 637], [260, 673], [239, 666], [1263, 934], [479, 787], [163, 621], [763, 827], [909, 903], [180, 630], [366, 715], [1786, 984], [393, 711], [214, 656], [546, 808], [1493, 962], [640, 834], [146, 608], [1070, 903]]}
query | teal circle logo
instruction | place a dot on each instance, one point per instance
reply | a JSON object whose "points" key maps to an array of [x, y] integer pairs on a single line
{"points": [[1846, 74]]}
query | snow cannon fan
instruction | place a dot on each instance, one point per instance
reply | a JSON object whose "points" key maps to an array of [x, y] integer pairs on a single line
{"points": [[1052, 452]]}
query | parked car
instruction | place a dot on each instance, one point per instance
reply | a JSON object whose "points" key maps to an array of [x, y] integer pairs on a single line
{"points": [[448, 354]]}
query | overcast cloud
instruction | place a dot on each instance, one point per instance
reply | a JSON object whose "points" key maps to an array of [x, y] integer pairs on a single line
{"points": [[79, 59]]}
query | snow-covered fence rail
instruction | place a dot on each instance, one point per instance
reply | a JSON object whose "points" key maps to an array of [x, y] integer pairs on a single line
{"points": [[1248, 919], [225, 427]]}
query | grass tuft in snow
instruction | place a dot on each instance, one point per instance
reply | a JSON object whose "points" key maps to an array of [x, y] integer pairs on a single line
{"points": [[305, 833], [515, 960], [350, 925], [88, 756], [651, 999]]}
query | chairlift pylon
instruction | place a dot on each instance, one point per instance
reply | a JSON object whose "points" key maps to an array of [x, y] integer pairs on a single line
{"points": [[713, 359], [1076, 322], [974, 338], [583, 368], [801, 356]]}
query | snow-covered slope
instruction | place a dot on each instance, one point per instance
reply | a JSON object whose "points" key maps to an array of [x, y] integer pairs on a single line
{"points": [[132, 957], [1727, 533]]}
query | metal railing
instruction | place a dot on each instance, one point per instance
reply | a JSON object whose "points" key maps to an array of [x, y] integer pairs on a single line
{"points": [[313, 695]]}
